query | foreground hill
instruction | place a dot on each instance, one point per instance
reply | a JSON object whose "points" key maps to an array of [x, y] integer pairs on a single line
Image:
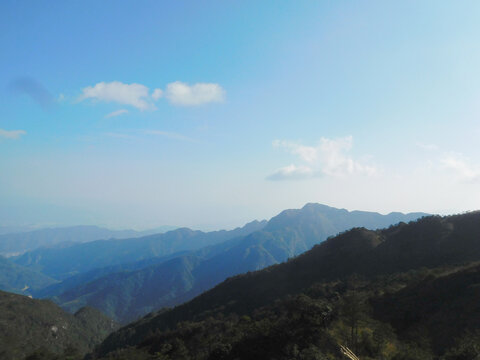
{"points": [[28, 325], [127, 295], [20, 242], [406, 292], [61, 263]]}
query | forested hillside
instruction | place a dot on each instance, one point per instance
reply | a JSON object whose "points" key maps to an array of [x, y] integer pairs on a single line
{"points": [[39, 326], [406, 292]]}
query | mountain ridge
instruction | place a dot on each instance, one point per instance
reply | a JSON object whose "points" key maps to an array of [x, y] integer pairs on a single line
{"points": [[208, 266], [357, 251], [13, 244]]}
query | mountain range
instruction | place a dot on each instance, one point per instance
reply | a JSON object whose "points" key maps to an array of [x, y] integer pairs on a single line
{"points": [[63, 262], [397, 287], [18, 242], [409, 291], [126, 279], [128, 290]]}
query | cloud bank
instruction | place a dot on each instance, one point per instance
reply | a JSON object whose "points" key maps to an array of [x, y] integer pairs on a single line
{"points": [[329, 157]]}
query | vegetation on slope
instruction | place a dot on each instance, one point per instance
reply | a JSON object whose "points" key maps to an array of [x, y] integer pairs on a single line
{"points": [[28, 325], [359, 289], [21, 280]]}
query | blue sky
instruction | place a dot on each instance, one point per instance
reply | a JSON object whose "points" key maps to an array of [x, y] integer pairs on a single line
{"points": [[210, 114]]}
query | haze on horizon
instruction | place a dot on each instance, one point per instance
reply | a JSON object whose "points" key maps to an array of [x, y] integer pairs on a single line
{"points": [[141, 114]]}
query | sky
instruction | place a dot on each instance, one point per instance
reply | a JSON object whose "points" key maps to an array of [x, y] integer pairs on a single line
{"points": [[137, 114]]}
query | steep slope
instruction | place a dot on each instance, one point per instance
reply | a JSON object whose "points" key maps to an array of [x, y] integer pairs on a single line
{"points": [[21, 280], [438, 309], [20, 242], [128, 295], [209, 266], [428, 243], [61, 263], [27, 325], [79, 280]]}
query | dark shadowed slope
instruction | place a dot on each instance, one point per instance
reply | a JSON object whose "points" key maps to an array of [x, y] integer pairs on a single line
{"points": [[27, 325], [440, 309]]}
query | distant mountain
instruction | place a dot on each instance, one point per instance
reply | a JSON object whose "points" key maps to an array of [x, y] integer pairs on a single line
{"points": [[21, 280], [78, 280], [28, 325], [61, 263], [420, 279], [16, 229], [20, 242], [126, 295]]}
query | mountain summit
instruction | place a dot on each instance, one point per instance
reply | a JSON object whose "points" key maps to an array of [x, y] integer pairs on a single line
{"points": [[130, 290]]}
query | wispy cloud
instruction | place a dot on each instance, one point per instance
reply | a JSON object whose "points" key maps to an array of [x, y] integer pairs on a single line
{"points": [[116, 113], [427, 147], [292, 172], [329, 157], [461, 167], [120, 135], [34, 89], [142, 133], [168, 134], [11, 134], [179, 93]]}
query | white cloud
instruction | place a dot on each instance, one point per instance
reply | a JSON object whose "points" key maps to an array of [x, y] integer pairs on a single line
{"points": [[179, 93], [12, 134], [292, 172], [135, 95], [116, 113], [461, 167], [138, 95], [306, 153], [329, 157], [157, 94]]}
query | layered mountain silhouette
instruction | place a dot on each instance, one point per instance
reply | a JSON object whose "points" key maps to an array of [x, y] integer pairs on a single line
{"points": [[420, 281], [61, 263], [128, 291], [20, 242], [21, 280]]}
